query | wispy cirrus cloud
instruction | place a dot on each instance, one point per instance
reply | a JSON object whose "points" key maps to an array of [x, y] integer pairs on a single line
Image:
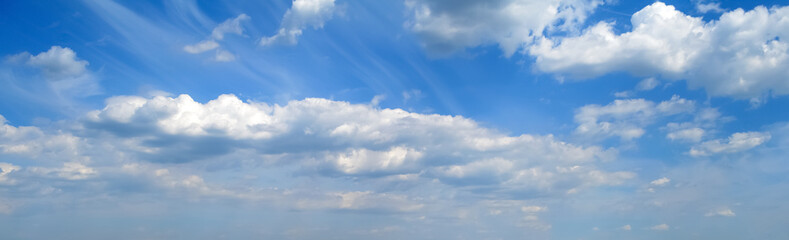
{"points": [[232, 26]]}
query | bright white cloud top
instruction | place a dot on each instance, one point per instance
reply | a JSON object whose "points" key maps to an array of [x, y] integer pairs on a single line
{"points": [[744, 54]]}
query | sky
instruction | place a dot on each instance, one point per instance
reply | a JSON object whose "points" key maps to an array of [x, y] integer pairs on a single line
{"points": [[414, 119]]}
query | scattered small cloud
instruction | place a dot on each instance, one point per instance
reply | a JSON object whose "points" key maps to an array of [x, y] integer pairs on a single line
{"points": [[660, 227], [737, 142], [647, 84], [704, 6], [233, 26], [723, 212], [301, 15], [660, 182]]}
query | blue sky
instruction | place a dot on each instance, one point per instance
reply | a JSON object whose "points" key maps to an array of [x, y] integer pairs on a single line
{"points": [[419, 119]]}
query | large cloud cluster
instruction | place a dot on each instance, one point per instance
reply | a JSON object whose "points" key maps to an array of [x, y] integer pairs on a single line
{"points": [[743, 55], [339, 138], [159, 143]]}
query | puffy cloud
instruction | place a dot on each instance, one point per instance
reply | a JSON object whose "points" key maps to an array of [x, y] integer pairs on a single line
{"points": [[737, 142], [626, 118], [744, 54], [58, 63], [303, 14], [723, 212], [34, 143], [448, 26], [233, 26], [351, 139], [63, 71], [364, 160]]}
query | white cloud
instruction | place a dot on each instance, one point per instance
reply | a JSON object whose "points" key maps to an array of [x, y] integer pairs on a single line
{"points": [[34, 143], [626, 118], [533, 209], [358, 200], [660, 227], [377, 99], [59, 63], [647, 84], [724, 212], [69, 171], [5, 169], [224, 56], [660, 182], [363, 160], [626, 227], [64, 72], [742, 55], [301, 15], [691, 134], [353, 139], [705, 7], [233, 26], [201, 46], [449, 26], [623, 94], [737, 142]]}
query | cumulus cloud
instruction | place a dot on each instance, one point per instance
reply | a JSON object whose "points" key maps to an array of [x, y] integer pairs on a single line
{"points": [[33, 142], [233, 26], [626, 118], [744, 54], [301, 15], [348, 139], [445, 27], [58, 63], [178, 148], [737, 142], [63, 71]]}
